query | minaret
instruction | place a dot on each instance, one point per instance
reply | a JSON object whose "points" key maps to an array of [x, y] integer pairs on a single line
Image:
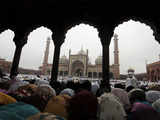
{"points": [[116, 56], [46, 54], [69, 63], [116, 51]]}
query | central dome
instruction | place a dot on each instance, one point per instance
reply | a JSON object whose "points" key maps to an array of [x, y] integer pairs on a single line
{"points": [[98, 60], [63, 60], [81, 52]]}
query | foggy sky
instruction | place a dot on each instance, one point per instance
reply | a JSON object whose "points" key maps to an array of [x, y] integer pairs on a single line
{"points": [[137, 46]]}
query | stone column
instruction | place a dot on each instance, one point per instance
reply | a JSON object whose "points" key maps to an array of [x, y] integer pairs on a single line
{"points": [[19, 41], [105, 37], [58, 39], [105, 65]]}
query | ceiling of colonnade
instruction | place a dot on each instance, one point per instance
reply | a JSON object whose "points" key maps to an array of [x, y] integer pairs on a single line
{"points": [[26, 15]]}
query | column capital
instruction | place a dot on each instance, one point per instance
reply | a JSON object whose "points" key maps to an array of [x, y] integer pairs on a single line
{"points": [[58, 39], [105, 36], [20, 40]]}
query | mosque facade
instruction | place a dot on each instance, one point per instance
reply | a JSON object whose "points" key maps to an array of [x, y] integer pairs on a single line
{"points": [[79, 64], [153, 71]]}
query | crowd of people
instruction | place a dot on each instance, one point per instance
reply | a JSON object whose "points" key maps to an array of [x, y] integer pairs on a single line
{"points": [[77, 100]]}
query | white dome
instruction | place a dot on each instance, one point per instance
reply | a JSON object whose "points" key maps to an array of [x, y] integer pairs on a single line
{"points": [[63, 60], [131, 70], [98, 60], [82, 52]]}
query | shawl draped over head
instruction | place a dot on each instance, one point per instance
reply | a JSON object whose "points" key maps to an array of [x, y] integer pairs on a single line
{"points": [[26, 90], [6, 99], [110, 108], [40, 82], [40, 97], [45, 116], [67, 91], [156, 105], [17, 111], [136, 95], [152, 96], [122, 95], [16, 84], [46, 90], [82, 106], [57, 105], [143, 111], [4, 91]]}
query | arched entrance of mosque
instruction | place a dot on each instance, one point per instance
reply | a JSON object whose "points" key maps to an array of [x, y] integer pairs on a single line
{"points": [[77, 68], [79, 72]]}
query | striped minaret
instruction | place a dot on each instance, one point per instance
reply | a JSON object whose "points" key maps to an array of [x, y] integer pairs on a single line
{"points": [[116, 51], [116, 56], [46, 54]]}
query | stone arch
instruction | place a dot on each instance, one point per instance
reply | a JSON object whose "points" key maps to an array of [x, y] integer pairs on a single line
{"points": [[145, 23], [148, 22], [7, 45], [78, 22], [40, 40]]}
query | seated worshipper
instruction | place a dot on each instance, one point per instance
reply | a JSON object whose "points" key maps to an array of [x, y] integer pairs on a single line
{"points": [[15, 83], [67, 91], [17, 111], [4, 86], [156, 105], [82, 106], [141, 109], [110, 108], [123, 97], [154, 87], [57, 105], [94, 88], [46, 89], [57, 86], [39, 82], [70, 84], [1, 73], [27, 90], [45, 116], [6, 99], [119, 85], [41, 97], [137, 95], [152, 96], [85, 85], [23, 91], [103, 89]]}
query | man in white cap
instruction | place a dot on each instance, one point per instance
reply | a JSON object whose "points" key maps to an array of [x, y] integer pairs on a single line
{"points": [[131, 81]]}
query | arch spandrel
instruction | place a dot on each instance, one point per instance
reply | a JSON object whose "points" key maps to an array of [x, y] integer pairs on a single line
{"points": [[153, 23], [25, 13]]}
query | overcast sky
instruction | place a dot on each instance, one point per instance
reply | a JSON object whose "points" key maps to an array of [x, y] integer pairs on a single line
{"points": [[137, 46]]}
